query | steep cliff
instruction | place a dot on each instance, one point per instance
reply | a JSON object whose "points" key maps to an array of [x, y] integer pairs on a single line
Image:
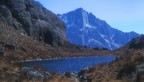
{"points": [[32, 19]]}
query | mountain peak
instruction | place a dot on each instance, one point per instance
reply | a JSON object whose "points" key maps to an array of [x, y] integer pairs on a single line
{"points": [[83, 28], [79, 9]]}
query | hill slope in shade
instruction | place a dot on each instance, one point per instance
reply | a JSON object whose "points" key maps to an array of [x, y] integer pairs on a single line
{"points": [[31, 18], [136, 43], [85, 29]]}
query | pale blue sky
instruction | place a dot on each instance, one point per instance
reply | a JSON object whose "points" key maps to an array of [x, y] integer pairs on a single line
{"points": [[125, 15]]}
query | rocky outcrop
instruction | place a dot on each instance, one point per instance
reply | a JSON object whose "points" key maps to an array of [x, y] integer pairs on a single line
{"points": [[31, 18]]}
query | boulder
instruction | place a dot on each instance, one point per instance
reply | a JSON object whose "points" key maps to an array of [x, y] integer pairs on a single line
{"points": [[23, 49], [25, 69], [10, 46], [35, 74], [1, 52]]}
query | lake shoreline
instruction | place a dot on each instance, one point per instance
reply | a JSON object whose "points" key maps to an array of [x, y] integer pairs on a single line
{"points": [[60, 58], [71, 65]]}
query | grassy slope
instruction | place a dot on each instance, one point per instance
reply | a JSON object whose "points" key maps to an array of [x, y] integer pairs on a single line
{"points": [[125, 69]]}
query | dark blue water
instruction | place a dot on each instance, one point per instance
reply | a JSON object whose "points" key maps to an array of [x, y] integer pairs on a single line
{"points": [[70, 64]]}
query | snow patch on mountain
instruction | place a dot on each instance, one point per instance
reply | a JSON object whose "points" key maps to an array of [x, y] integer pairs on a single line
{"points": [[95, 42]]}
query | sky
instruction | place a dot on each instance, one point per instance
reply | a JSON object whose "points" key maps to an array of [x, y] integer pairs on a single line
{"points": [[125, 15]]}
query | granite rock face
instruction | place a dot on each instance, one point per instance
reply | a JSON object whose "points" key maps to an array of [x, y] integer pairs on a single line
{"points": [[32, 19]]}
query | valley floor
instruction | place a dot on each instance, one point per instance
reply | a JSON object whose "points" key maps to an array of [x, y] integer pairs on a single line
{"points": [[14, 47]]}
